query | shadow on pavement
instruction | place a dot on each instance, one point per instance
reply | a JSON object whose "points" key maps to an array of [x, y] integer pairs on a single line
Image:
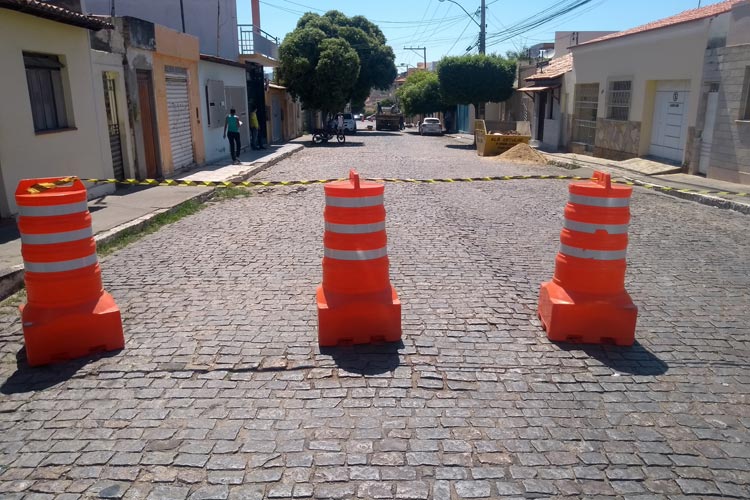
{"points": [[377, 133], [334, 144], [366, 359], [8, 230], [633, 360], [460, 146], [32, 379]]}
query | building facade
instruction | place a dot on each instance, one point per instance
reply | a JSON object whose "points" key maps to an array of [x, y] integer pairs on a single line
{"points": [[647, 82], [722, 141], [212, 22], [223, 87], [160, 73], [52, 110]]}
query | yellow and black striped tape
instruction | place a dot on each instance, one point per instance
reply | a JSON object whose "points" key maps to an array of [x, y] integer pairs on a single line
{"points": [[249, 184]]}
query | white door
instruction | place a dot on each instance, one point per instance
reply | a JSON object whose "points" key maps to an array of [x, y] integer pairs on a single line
{"points": [[707, 137], [669, 132], [178, 112]]}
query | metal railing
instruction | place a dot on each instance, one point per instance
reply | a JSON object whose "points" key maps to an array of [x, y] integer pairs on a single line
{"points": [[257, 41]]}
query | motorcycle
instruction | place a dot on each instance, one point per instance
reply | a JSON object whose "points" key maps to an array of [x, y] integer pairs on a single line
{"points": [[321, 135]]}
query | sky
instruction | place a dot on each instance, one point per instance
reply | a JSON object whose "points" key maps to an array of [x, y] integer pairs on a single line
{"points": [[444, 29]]}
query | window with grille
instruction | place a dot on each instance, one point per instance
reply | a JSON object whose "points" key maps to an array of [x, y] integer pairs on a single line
{"points": [[618, 100], [44, 79], [586, 106]]}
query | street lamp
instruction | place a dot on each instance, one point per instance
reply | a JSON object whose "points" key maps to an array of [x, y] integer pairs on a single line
{"points": [[480, 24]]}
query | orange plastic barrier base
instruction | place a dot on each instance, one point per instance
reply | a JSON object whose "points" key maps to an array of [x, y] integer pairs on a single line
{"points": [[587, 319], [53, 335], [358, 319]]}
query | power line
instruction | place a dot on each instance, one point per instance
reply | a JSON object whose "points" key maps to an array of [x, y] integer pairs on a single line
{"points": [[537, 20]]}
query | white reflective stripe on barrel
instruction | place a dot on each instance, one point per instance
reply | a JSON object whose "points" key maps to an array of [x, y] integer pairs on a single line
{"points": [[365, 201], [50, 210], [50, 238], [586, 227], [583, 253], [61, 266], [355, 228], [595, 201], [355, 254]]}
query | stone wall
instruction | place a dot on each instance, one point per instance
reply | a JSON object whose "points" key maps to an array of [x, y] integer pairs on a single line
{"points": [[617, 140], [730, 152]]}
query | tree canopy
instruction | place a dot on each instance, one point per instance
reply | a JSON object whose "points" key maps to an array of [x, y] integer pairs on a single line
{"points": [[420, 93], [475, 79], [332, 59]]}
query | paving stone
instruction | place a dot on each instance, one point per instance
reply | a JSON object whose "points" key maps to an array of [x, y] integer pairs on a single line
{"points": [[222, 388], [472, 489]]}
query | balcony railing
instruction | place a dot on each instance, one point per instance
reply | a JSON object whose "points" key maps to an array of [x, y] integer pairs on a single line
{"points": [[257, 41]]}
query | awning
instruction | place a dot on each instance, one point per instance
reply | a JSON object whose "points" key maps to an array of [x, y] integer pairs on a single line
{"points": [[538, 89]]}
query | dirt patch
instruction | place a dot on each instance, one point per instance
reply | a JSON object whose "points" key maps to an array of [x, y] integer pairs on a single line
{"points": [[523, 153]]}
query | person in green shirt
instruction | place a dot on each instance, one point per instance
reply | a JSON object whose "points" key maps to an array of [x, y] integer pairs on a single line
{"points": [[232, 125]]}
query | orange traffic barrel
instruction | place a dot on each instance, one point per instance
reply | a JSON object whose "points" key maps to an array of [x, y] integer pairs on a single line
{"points": [[586, 300], [356, 302], [68, 314]]}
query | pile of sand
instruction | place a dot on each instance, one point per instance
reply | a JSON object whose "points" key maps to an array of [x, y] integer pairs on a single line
{"points": [[523, 153]]}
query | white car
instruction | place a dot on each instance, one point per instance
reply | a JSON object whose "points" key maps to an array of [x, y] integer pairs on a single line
{"points": [[350, 125], [431, 126]]}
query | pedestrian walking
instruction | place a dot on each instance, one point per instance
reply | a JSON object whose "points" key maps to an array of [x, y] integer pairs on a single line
{"points": [[232, 125], [254, 130]]}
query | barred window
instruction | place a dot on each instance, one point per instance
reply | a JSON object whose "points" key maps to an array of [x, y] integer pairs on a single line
{"points": [[44, 79], [586, 107], [618, 100]]}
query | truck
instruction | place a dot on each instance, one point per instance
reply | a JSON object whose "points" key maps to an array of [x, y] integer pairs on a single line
{"points": [[389, 118]]}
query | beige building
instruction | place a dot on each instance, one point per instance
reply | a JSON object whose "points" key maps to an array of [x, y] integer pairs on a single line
{"points": [[642, 87], [52, 110]]}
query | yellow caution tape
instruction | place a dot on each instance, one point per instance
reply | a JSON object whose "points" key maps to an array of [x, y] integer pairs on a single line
{"points": [[37, 188]]}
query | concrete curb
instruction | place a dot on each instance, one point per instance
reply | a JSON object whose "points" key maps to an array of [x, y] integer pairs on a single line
{"points": [[703, 199], [11, 279], [261, 165]]}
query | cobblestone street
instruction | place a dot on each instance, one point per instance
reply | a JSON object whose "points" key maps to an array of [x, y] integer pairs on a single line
{"points": [[222, 392]]}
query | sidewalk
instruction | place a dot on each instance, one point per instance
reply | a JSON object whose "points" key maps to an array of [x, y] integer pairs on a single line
{"points": [[134, 206], [663, 177]]}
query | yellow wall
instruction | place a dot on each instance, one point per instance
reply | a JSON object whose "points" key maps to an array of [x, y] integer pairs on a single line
{"points": [[177, 49], [82, 151]]}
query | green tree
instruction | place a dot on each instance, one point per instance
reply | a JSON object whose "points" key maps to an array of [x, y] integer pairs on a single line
{"points": [[475, 79], [420, 93], [356, 60], [518, 54], [387, 102]]}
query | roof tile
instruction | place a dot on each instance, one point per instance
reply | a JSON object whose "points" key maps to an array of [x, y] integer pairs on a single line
{"points": [[556, 67], [683, 17], [55, 13]]}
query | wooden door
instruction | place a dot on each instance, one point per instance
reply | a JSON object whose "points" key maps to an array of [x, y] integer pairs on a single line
{"points": [[145, 101]]}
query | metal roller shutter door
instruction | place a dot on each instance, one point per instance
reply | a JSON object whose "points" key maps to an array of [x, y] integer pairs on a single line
{"points": [[178, 109]]}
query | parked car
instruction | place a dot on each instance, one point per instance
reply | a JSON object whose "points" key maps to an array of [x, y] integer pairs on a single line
{"points": [[357, 116], [350, 125], [431, 126]]}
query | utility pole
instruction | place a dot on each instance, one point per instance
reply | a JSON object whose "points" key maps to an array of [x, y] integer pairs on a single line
{"points": [[424, 54], [482, 28]]}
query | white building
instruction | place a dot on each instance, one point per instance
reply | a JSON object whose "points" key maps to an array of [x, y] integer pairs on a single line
{"points": [[643, 86], [223, 86]]}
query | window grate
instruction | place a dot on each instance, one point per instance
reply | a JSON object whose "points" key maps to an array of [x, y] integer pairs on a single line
{"points": [[586, 107], [618, 100]]}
